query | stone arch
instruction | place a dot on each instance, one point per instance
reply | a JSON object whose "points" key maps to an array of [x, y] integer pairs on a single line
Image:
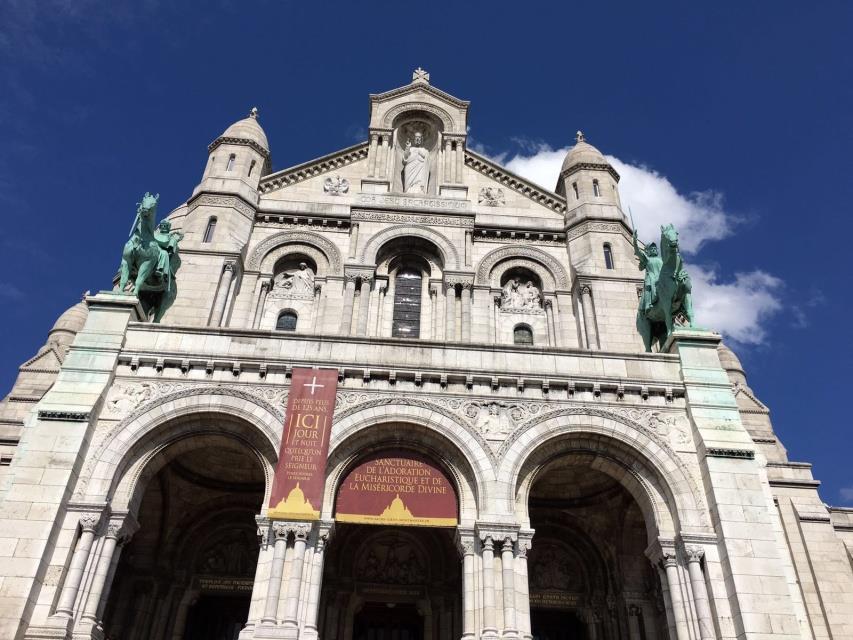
{"points": [[449, 253], [331, 256], [668, 495], [141, 444], [546, 266], [392, 114], [372, 426]]}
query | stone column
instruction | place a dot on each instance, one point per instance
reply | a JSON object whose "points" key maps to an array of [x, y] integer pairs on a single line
{"points": [[377, 303], [88, 523], [383, 157], [448, 158], [508, 575], [349, 298], [318, 299], [291, 607], [700, 592], [589, 317], [371, 168], [450, 309], [433, 311], [670, 567], [469, 246], [260, 301], [465, 543], [523, 587], [460, 161], [312, 608], [549, 321], [102, 571], [494, 311], [221, 301], [353, 239], [280, 531], [490, 629], [465, 301], [363, 305], [634, 623]]}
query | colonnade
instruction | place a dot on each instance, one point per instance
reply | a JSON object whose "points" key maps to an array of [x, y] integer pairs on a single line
{"points": [[289, 577]]}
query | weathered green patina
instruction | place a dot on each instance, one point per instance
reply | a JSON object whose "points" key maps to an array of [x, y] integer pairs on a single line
{"points": [[150, 260], [666, 298]]}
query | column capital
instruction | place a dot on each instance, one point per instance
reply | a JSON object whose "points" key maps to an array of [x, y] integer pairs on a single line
{"points": [[694, 553], [90, 521], [263, 524], [497, 532], [300, 530], [229, 265], [669, 559], [585, 289], [465, 539], [280, 530]]}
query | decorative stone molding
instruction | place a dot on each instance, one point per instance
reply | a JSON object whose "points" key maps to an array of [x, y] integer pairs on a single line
{"points": [[669, 560], [483, 165], [444, 116], [300, 530], [243, 141], [603, 227], [743, 454], [213, 200], [65, 416], [328, 248], [556, 271], [448, 249], [513, 236], [90, 521], [280, 530], [306, 170], [413, 218], [589, 166], [694, 553]]}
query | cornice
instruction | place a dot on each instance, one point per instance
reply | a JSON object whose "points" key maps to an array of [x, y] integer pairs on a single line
{"points": [[589, 166], [414, 88], [244, 141], [518, 184], [312, 168]]}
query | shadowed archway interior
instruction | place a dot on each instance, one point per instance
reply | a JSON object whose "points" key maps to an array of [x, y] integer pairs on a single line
{"points": [[188, 571], [588, 572]]}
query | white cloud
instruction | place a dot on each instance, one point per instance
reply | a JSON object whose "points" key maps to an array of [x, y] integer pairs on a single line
{"points": [[846, 494], [739, 308]]}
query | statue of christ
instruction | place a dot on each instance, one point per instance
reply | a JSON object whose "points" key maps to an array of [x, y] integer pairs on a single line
{"points": [[415, 165]]}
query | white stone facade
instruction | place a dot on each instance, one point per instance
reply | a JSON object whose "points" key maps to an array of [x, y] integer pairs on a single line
{"points": [[651, 486]]}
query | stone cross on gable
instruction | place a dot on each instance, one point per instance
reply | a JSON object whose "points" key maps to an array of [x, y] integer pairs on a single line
{"points": [[419, 75]]}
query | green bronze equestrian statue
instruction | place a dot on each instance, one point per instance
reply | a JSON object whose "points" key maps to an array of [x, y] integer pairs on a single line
{"points": [[150, 260], [666, 298]]}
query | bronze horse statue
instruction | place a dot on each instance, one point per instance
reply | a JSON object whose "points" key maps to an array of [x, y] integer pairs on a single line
{"points": [[666, 299], [150, 260]]}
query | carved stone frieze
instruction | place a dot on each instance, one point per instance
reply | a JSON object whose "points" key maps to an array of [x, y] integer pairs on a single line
{"points": [[126, 396], [413, 202], [586, 227], [210, 200], [414, 218]]}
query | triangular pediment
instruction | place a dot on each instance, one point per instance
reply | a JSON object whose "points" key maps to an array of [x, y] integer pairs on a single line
{"points": [[49, 361], [746, 400], [419, 90], [313, 168]]}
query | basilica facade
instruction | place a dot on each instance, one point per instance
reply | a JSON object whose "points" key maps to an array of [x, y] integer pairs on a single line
{"points": [[399, 393]]}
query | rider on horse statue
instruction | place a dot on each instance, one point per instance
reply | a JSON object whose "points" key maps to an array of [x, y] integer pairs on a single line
{"points": [[666, 300], [150, 260]]}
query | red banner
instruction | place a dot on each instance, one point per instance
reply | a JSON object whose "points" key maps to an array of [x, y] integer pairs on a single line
{"points": [[397, 488], [297, 490]]}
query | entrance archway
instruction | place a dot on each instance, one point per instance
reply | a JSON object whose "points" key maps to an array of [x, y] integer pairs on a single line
{"points": [[393, 572], [188, 572], [589, 576]]}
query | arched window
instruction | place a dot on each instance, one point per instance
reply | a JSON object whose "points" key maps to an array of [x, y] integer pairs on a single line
{"points": [[608, 255], [286, 321], [230, 165], [407, 304], [596, 189], [575, 189], [208, 231], [522, 334], [252, 167]]}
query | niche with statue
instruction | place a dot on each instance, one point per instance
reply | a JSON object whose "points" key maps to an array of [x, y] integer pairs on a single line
{"points": [[417, 152]]}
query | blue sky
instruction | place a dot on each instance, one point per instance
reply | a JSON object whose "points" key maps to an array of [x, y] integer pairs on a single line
{"points": [[733, 119]]}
